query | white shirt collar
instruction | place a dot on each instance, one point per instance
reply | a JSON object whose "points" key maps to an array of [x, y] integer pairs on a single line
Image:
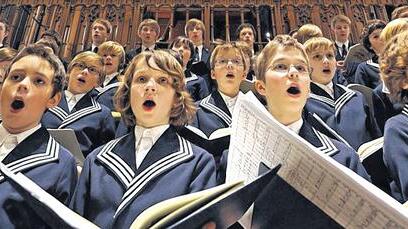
{"points": [[69, 95], [327, 88], [229, 101], [155, 133], [200, 51], [20, 136], [339, 44], [151, 48], [108, 78], [296, 126], [93, 47]]}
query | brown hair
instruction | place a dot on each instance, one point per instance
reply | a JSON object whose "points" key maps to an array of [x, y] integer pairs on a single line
{"points": [[88, 57], [307, 31], [393, 67], [397, 12], [4, 21], [193, 23], [183, 109], [340, 18], [151, 23], [105, 23], [264, 58], [7, 54]]}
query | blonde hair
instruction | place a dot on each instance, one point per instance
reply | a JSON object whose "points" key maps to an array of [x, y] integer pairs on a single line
{"points": [[316, 43], [264, 58], [183, 109], [113, 47], [393, 28], [393, 67], [88, 57], [193, 23], [224, 47], [306, 32]]}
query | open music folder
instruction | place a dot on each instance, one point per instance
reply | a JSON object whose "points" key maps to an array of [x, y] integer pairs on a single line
{"points": [[341, 194]]}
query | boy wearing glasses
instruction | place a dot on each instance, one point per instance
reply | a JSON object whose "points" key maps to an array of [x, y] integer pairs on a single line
{"points": [[335, 104], [215, 111], [26, 146], [78, 110]]}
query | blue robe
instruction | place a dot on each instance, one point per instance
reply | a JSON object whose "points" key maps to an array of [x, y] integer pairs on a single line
{"points": [[368, 74], [348, 113], [45, 162], [111, 192], [196, 86], [92, 122], [105, 95], [281, 206], [395, 153]]}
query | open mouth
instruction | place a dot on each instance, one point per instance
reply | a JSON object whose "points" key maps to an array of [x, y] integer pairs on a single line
{"points": [[293, 90], [17, 105], [326, 71], [149, 105], [81, 80], [230, 76]]}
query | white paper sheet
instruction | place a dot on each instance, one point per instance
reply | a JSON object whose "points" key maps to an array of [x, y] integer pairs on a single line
{"points": [[346, 197]]}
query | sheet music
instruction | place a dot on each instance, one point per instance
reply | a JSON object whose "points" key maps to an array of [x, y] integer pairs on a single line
{"points": [[343, 195]]}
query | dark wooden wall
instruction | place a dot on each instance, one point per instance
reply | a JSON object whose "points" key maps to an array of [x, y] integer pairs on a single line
{"points": [[72, 18]]}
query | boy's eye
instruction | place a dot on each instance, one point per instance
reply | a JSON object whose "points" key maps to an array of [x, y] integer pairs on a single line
{"points": [[280, 67], [163, 80], [39, 81], [300, 68], [317, 57], [92, 70], [141, 79], [330, 56], [15, 77]]}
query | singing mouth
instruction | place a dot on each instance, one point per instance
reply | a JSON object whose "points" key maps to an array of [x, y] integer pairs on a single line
{"points": [[17, 105], [230, 76], [149, 104], [293, 90]]}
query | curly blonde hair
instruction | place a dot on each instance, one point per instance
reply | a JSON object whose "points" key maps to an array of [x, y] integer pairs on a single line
{"points": [[393, 67], [183, 109]]}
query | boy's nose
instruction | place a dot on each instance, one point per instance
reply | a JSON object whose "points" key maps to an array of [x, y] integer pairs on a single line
{"points": [[151, 85]]}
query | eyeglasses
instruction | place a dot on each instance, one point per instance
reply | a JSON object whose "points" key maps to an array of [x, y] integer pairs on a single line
{"points": [[224, 62], [319, 57], [284, 68], [82, 66]]}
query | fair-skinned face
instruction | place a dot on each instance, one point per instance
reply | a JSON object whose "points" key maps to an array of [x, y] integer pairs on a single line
{"points": [[99, 34], [247, 36], [111, 62], [148, 35], [195, 34], [3, 32], [26, 94], [184, 51], [377, 44], [229, 72], [83, 78], [341, 31], [286, 85], [323, 62], [151, 95]]}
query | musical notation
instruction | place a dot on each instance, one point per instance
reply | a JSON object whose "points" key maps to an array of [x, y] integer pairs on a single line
{"points": [[343, 195]]}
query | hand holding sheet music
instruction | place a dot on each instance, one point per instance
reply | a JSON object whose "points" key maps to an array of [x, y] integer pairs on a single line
{"points": [[340, 193]]}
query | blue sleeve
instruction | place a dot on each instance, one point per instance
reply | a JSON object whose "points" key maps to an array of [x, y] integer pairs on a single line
{"points": [[81, 195], [361, 76], [204, 176], [67, 180], [396, 157]]}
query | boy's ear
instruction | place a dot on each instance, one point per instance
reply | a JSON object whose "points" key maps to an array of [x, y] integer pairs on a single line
{"points": [[54, 101], [212, 75], [260, 87]]}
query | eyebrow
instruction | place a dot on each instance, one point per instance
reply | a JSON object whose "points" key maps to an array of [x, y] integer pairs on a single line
{"points": [[23, 71], [282, 59]]}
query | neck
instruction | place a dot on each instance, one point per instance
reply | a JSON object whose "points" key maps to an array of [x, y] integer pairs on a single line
{"points": [[147, 45], [342, 41], [285, 117], [230, 94], [198, 43]]}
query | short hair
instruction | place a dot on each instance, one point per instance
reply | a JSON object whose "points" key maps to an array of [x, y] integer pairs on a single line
{"points": [[180, 40], [393, 28], [49, 43], [307, 31], [224, 47], [151, 23], [340, 18], [4, 21], [246, 50], [105, 23], [51, 33], [58, 79], [88, 57], [113, 47], [7, 54], [183, 109], [371, 26], [243, 26], [397, 12], [393, 71], [264, 58], [316, 43], [192, 23]]}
